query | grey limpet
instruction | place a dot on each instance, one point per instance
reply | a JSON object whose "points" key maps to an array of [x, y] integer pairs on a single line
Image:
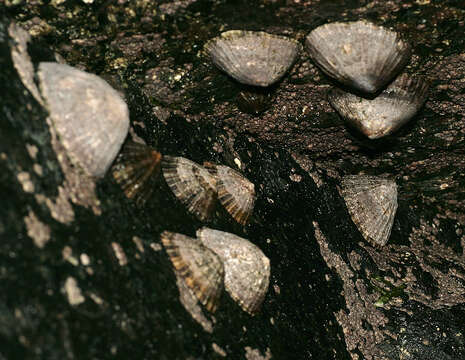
{"points": [[246, 268], [253, 57], [358, 54], [136, 170], [372, 204], [387, 112], [91, 118], [192, 184], [235, 192], [201, 269]]}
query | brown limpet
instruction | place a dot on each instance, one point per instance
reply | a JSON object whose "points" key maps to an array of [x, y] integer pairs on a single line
{"points": [[201, 269]]}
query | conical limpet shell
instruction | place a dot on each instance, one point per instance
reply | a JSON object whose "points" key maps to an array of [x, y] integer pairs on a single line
{"points": [[253, 58], [372, 204], [91, 118], [200, 267], [192, 184], [246, 268], [387, 112], [358, 54], [235, 192], [136, 171]]}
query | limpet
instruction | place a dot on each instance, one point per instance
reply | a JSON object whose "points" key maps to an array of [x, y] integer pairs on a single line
{"points": [[192, 184], [136, 170], [201, 269], [372, 204], [235, 192], [91, 118], [253, 57], [358, 54], [246, 268], [387, 112]]}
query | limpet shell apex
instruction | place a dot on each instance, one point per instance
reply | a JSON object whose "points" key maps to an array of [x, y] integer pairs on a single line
{"points": [[387, 112], [358, 54], [246, 268], [372, 205], [91, 118], [192, 184], [253, 57], [200, 267]]}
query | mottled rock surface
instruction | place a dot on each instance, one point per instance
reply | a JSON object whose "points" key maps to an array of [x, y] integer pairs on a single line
{"points": [[82, 273]]}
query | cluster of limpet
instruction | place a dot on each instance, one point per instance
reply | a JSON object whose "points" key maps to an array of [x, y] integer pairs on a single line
{"points": [[216, 259], [198, 187], [366, 58]]}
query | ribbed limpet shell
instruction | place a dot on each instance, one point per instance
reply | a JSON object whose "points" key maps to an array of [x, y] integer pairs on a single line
{"points": [[372, 204], [200, 267], [246, 268], [235, 192], [91, 118], [136, 170], [387, 112], [358, 54], [253, 57], [192, 184]]}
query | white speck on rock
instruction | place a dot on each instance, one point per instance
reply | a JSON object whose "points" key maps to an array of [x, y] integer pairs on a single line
{"points": [[36, 230], [73, 291]]}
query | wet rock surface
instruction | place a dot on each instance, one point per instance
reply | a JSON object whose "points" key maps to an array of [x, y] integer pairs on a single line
{"points": [[82, 270]]}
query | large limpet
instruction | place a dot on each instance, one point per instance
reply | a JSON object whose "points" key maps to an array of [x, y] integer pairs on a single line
{"points": [[358, 54], [91, 118], [387, 112], [253, 57]]}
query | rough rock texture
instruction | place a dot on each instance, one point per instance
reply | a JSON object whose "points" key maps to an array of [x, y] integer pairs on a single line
{"points": [[82, 274]]}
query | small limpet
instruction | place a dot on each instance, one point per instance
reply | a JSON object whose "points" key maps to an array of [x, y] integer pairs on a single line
{"points": [[358, 54], [372, 204], [192, 184], [246, 268], [253, 57], [235, 192], [136, 170], [201, 268]]}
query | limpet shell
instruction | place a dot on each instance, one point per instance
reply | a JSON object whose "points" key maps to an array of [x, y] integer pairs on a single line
{"points": [[136, 170], [358, 54], [91, 118], [372, 204], [200, 267], [253, 57], [246, 268], [235, 192], [387, 112], [192, 184]]}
